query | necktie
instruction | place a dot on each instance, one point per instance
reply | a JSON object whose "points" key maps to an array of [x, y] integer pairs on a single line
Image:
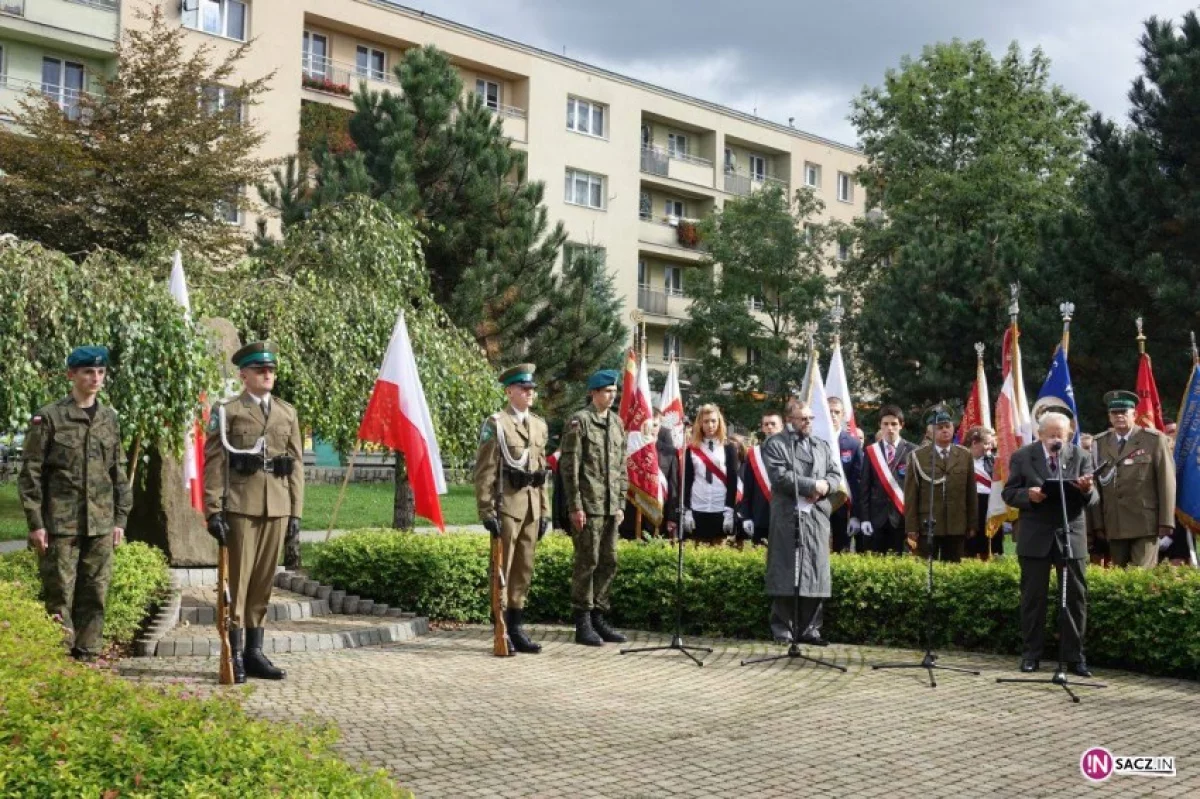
{"points": [[890, 452], [1120, 443], [266, 407], [1053, 464]]}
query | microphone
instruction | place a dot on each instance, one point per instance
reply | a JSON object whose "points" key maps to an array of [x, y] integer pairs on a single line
{"points": [[1056, 446]]}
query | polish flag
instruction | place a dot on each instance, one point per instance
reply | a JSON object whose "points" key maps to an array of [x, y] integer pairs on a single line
{"points": [[836, 385], [644, 490], [193, 443], [978, 412], [397, 417], [1013, 425], [671, 405]]}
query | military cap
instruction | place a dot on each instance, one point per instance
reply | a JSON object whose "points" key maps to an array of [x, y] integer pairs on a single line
{"points": [[603, 379], [87, 356], [256, 353], [940, 414], [1121, 400], [519, 375]]}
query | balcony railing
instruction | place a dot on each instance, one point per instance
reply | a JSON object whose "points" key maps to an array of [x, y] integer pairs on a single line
{"points": [[510, 111], [742, 184], [662, 303], [68, 99], [657, 161], [338, 77], [110, 5], [14, 7]]}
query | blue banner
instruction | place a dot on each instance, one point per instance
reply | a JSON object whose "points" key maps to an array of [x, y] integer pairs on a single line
{"points": [[1187, 456], [1057, 389]]}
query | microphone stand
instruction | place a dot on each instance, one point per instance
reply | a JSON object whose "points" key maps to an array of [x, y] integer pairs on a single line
{"points": [[793, 652], [929, 661], [1064, 576], [677, 644]]}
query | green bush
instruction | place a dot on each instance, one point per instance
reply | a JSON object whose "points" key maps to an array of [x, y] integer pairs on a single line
{"points": [[70, 730], [1143, 620], [140, 577]]}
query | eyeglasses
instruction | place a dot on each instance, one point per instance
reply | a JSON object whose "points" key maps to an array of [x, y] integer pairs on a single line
{"points": [[802, 418]]}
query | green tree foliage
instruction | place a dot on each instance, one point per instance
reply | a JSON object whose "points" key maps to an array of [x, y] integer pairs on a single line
{"points": [[969, 157], [772, 250], [160, 363], [154, 151]]}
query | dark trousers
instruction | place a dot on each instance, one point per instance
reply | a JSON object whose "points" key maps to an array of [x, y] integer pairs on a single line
{"points": [[812, 613], [1035, 579], [888, 539], [839, 528], [946, 548]]}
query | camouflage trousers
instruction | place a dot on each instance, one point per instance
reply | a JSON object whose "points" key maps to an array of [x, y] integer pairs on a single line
{"points": [[76, 571], [595, 563]]}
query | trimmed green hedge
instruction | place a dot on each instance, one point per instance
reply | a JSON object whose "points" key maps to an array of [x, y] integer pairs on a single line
{"points": [[70, 730], [140, 577], [1143, 620]]}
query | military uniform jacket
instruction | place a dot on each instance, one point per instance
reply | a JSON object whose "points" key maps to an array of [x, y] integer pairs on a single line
{"points": [[593, 463], [261, 494], [490, 483], [1139, 496], [955, 508], [73, 472]]}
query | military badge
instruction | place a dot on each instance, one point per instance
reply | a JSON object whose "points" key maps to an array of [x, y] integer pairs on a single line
{"points": [[486, 432], [35, 421]]}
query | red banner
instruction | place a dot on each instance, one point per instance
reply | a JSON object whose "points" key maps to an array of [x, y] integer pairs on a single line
{"points": [[1149, 408]]}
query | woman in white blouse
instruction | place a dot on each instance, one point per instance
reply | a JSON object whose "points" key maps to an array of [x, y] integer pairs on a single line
{"points": [[709, 479]]}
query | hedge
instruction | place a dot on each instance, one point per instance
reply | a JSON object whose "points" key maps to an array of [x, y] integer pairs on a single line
{"points": [[70, 730], [1147, 621], [140, 578]]}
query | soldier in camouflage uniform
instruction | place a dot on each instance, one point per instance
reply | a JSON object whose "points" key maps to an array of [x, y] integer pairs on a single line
{"points": [[594, 481], [76, 500]]}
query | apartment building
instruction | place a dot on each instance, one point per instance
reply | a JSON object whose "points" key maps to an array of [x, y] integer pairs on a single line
{"points": [[638, 164]]}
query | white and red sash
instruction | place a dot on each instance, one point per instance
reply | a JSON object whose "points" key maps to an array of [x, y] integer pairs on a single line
{"points": [[884, 473], [754, 458], [708, 464], [983, 480]]}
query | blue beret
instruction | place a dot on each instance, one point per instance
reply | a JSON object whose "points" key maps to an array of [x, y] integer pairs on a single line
{"points": [[87, 356], [603, 379]]}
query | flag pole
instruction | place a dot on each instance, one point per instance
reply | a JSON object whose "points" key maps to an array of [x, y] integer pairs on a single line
{"points": [[342, 493], [1067, 309], [639, 321], [1141, 336], [133, 459]]}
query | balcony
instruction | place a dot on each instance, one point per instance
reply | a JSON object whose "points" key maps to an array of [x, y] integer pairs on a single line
{"points": [[341, 79], [742, 185], [512, 119], [671, 234], [79, 26], [662, 303], [13, 90], [14, 7], [677, 166]]}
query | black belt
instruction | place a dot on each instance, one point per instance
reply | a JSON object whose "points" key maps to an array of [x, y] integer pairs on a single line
{"points": [[522, 479]]}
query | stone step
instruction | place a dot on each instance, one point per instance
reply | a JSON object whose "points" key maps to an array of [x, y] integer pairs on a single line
{"points": [[198, 605], [298, 635]]}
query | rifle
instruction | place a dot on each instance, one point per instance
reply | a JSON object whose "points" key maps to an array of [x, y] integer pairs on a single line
{"points": [[225, 669], [500, 642]]}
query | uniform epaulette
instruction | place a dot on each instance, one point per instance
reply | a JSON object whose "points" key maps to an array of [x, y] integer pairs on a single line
{"points": [[1151, 431], [283, 403], [1101, 435]]}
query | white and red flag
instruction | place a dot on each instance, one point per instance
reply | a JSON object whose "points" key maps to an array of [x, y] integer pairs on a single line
{"points": [[978, 411], [645, 490], [193, 442], [397, 417], [1014, 427], [671, 405], [822, 426], [836, 385]]}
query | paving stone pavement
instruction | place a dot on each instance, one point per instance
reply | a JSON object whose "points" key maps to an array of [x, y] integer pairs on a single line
{"points": [[449, 720]]}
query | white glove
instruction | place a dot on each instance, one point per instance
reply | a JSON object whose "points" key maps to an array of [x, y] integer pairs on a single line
{"points": [[727, 521], [854, 526], [867, 528], [1165, 542], [748, 527], [689, 523]]}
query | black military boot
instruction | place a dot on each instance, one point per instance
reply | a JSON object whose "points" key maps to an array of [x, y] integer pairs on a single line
{"points": [[255, 662], [235, 646], [604, 631], [516, 633], [584, 634]]}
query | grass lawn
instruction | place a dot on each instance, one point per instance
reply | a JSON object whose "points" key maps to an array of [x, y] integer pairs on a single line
{"points": [[370, 505], [12, 518]]}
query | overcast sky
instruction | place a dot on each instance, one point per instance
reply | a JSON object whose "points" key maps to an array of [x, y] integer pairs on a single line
{"points": [[804, 59]]}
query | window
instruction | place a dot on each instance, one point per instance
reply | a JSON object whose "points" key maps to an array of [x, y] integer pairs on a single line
{"points": [[843, 251], [643, 275], [673, 281], [573, 253], [812, 175], [755, 303], [218, 98], [645, 206], [672, 347], [647, 136], [730, 161], [584, 188], [220, 17], [753, 356], [584, 116], [677, 145], [370, 63], [489, 92], [228, 210], [845, 188], [2, 73], [808, 233], [674, 208], [62, 82], [316, 55], [758, 167]]}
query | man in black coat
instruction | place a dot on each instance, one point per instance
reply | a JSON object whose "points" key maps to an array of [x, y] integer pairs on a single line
{"points": [[879, 502], [754, 511], [845, 520], [1031, 487]]}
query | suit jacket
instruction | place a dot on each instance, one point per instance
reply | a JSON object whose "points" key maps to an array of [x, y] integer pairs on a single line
{"points": [[872, 503], [1139, 495], [955, 507], [755, 505], [513, 502], [260, 494], [1041, 521]]}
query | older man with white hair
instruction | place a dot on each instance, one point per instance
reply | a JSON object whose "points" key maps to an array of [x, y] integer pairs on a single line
{"points": [[1031, 487]]}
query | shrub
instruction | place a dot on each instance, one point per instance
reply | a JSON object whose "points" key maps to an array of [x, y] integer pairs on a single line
{"points": [[69, 730], [1143, 620], [139, 579]]}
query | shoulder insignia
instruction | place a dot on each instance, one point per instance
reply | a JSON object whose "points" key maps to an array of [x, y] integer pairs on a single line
{"points": [[213, 422], [486, 431], [36, 420], [1101, 434], [574, 424], [1152, 431]]}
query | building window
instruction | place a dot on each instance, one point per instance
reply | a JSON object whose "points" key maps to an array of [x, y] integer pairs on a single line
{"points": [[843, 251], [584, 116], [753, 356], [573, 253], [645, 206], [643, 275], [62, 82], [812, 175], [220, 17], [674, 208], [229, 210], [755, 303], [845, 188], [758, 167], [370, 63], [647, 136], [672, 347], [584, 188], [673, 281], [808, 233], [218, 98], [316, 55], [730, 161], [677, 145], [489, 93]]}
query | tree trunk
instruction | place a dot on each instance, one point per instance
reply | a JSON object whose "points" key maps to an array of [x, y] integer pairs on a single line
{"points": [[403, 508]]}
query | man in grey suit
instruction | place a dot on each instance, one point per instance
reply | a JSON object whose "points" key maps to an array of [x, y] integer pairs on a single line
{"points": [[1041, 544], [797, 463]]}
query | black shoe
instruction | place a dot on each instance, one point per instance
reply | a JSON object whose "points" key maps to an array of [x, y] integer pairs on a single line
{"points": [[813, 639], [1029, 665], [604, 631], [255, 662], [584, 634], [235, 646], [516, 634], [83, 655], [1080, 669]]}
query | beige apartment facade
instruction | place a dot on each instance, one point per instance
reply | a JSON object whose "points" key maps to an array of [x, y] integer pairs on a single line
{"points": [[627, 165]]}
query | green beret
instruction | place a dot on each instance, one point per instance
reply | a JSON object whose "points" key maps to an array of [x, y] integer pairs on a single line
{"points": [[256, 353], [940, 414], [519, 375], [603, 379], [87, 356], [1121, 400]]}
